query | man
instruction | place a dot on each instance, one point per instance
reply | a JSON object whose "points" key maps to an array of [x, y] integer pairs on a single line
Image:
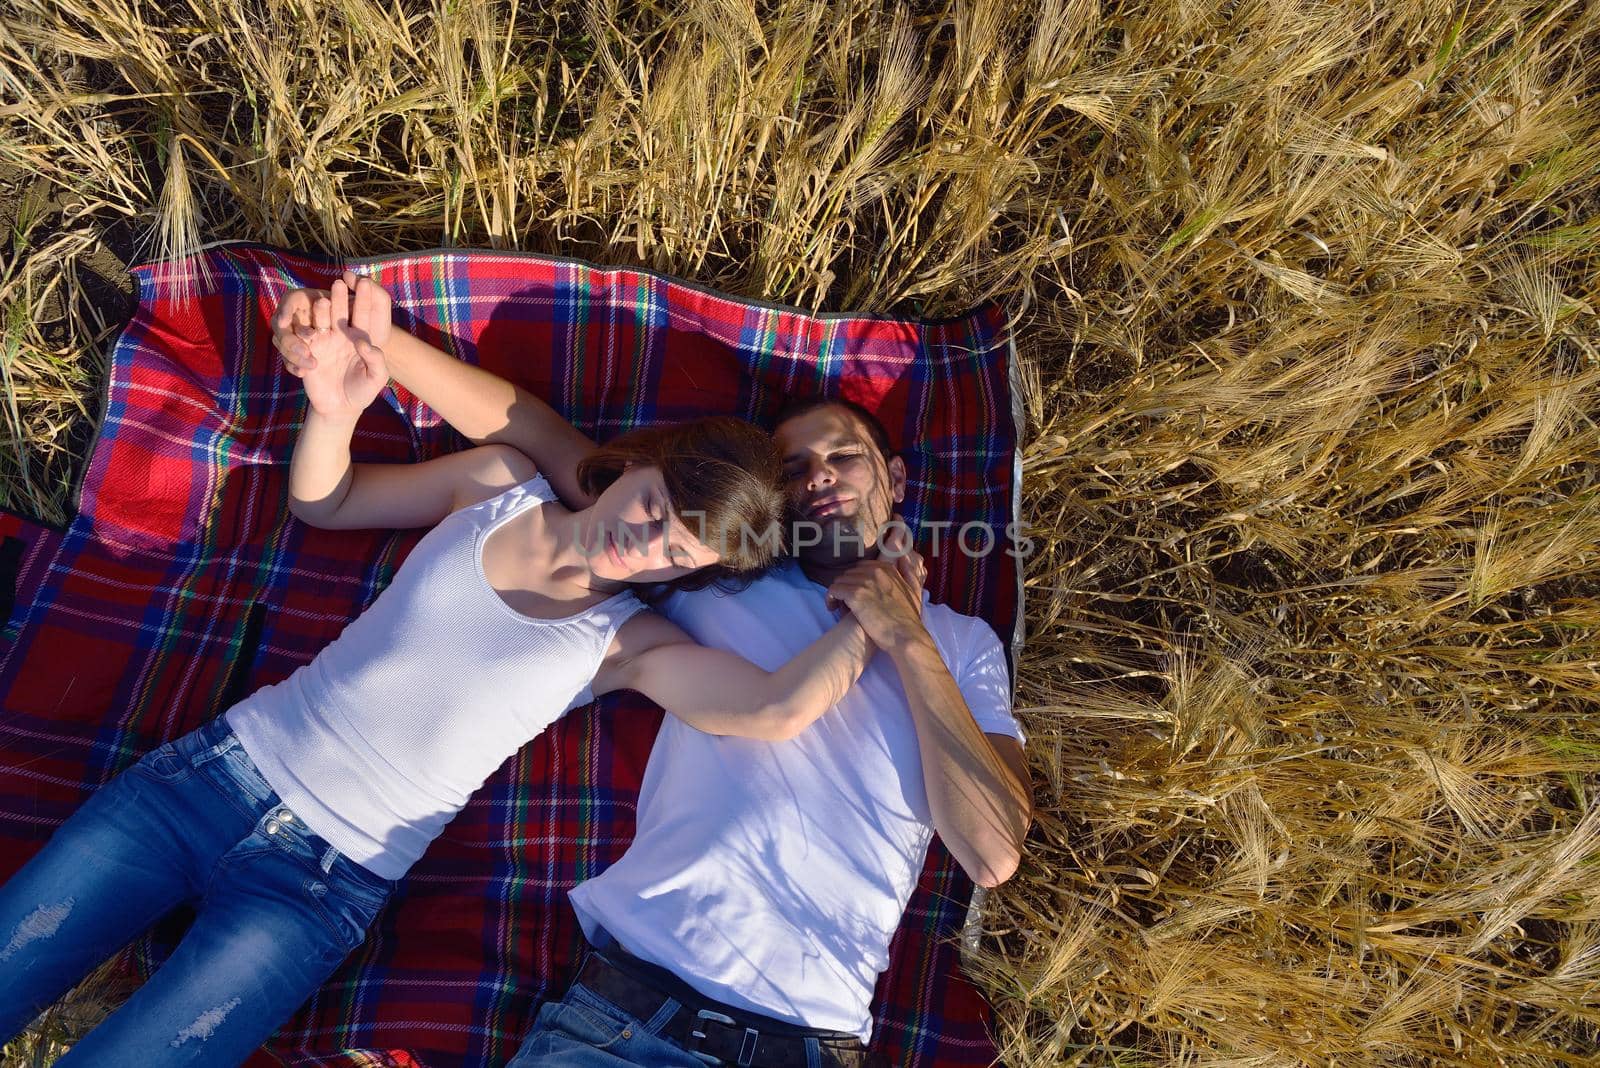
{"points": [[751, 916]]}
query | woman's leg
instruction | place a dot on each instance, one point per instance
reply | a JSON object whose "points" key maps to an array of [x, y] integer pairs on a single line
{"points": [[114, 867], [271, 927]]}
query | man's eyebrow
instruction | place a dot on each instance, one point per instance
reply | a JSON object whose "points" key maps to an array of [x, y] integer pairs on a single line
{"points": [[834, 444]]}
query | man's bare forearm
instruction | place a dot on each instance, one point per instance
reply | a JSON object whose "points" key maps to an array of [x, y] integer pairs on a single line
{"points": [[980, 805], [486, 408]]}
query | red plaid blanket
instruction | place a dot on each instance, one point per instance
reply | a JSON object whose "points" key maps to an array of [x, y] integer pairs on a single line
{"points": [[183, 584]]}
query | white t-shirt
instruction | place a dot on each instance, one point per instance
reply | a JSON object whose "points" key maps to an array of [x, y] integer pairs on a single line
{"points": [[772, 875], [379, 741]]}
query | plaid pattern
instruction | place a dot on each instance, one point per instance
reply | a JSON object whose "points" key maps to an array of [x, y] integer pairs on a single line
{"points": [[184, 584], [26, 549]]}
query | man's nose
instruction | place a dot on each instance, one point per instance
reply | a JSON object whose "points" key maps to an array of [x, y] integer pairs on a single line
{"points": [[821, 475]]}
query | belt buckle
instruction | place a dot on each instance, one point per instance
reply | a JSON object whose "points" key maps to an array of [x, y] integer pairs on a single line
{"points": [[697, 1036]]}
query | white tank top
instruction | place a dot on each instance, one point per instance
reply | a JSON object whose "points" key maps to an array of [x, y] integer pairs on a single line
{"points": [[379, 741]]}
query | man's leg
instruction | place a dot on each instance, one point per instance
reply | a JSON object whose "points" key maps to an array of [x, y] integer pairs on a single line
{"points": [[583, 1030]]}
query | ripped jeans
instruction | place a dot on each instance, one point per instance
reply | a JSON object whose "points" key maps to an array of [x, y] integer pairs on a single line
{"points": [[277, 908]]}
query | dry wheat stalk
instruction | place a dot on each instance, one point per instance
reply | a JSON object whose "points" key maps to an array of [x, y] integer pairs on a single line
{"points": [[1313, 364]]}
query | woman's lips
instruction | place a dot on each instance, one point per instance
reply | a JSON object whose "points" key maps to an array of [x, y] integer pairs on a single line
{"points": [[611, 551]]}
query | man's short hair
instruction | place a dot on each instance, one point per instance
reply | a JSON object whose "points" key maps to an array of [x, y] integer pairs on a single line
{"points": [[875, 428]]}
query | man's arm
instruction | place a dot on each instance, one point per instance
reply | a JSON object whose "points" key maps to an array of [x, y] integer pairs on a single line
{"points": [[977, 783], [483, 407]]}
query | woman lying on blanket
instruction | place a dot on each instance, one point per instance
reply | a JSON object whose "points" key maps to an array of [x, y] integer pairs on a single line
{"points": [[287, 820]]}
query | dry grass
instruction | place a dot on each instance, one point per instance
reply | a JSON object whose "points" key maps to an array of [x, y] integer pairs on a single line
{"points": [[53, 1033], [1313, 357]]}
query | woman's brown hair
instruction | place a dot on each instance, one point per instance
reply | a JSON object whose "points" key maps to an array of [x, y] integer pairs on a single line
{"points": [[725, 480]]}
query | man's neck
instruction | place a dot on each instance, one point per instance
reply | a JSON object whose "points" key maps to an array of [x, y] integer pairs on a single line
{"points": [[823, 572]]}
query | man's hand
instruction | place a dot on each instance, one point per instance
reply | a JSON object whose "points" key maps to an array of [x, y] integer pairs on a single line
{"points": [[885, 595], [897, 546], [365, 304], [342, 369]]}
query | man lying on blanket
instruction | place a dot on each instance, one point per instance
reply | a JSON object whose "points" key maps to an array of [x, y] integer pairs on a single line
{"points": [[751, 916]]}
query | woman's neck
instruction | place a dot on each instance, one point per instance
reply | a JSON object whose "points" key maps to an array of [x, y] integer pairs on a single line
{"points": [[565, 555]]}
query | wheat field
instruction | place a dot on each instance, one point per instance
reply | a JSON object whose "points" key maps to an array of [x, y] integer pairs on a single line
{"points": [[1306, 299]]}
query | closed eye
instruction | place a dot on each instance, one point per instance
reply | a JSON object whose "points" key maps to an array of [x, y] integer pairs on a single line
{"points": [[657, 512], [833, 457]]}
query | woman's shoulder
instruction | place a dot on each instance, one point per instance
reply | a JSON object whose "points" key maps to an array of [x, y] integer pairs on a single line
{"points": [[645, 628], [509, 468], [492, 472]]}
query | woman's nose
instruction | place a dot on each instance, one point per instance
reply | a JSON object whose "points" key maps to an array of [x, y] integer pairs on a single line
{"points": [[648, 539], [634, 539]]}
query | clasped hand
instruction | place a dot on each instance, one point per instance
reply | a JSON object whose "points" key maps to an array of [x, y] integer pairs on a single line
{"points": [[885, 594], [333, 342]]}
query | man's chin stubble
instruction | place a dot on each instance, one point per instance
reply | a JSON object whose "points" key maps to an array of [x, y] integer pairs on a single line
{"points": [[840, 543]]}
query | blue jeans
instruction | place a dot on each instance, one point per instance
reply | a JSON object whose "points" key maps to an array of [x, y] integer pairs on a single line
{"points": [[585, 1030], [277, 908]]}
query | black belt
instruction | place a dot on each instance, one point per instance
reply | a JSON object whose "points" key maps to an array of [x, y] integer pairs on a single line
{"points": [[720, 1034]]}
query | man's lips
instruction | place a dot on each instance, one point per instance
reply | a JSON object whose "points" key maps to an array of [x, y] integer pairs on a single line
{"points": [[828, 506]]}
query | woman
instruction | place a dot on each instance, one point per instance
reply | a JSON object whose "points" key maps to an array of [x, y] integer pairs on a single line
{"points": [[288, 819]]}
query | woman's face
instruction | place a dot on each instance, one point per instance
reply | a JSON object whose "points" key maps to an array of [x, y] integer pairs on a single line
{"points": [[632, 534]]}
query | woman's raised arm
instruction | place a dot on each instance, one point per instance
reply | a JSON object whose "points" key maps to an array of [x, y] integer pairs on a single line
{"points": [[345, 372], [483, 407]]}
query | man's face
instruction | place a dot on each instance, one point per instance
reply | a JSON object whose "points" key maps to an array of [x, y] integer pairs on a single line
{"points": [[838, 482]]}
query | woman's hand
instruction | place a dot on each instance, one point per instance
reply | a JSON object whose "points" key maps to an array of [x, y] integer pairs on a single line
{"points": [[342, 368], [369, 314]]}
